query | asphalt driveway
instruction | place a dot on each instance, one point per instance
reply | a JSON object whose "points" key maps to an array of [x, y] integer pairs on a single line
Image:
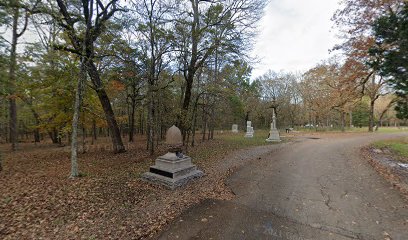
{"points": [[315, 188]]}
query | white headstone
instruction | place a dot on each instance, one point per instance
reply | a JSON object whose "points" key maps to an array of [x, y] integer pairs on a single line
{"points": [[234, 128], [250, 130]]}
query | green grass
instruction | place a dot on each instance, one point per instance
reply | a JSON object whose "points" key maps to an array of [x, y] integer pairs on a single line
{"points": [[356, 129], [396, 146], [228, 142], [392, 129], [238, 139]]}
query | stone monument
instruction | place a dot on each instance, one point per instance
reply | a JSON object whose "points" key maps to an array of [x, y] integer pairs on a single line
{"points": [[234, 128], [273, 133], [173, 169], [250, 130]]}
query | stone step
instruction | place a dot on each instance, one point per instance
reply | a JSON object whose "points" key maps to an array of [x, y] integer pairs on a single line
{"points": [[172, 173], [172, 183]]}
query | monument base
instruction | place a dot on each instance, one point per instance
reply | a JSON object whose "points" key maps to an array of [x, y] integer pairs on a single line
{"points": [[273, 136], [172, 171], [249, 135]]}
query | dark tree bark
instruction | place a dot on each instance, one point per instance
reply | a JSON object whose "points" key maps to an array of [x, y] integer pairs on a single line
{"points": [[371, 116], [205, 123], [94, 133], [132, 110], [194, 120], [12, 81], [150, 124], [116, 138], [212, 123], [53, 135]]}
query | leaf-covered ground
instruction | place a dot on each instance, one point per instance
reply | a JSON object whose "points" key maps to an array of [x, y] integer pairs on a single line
{"points": [[110, 201]]}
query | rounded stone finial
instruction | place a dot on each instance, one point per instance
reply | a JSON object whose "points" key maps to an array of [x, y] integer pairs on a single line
{"points": [[174, 137]]}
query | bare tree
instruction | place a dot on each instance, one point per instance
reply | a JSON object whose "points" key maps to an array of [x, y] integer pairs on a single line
{"points": [[212, 25], [374, 89]]}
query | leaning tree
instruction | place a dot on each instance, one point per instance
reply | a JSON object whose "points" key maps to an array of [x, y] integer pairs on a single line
{"points": [[84, 22]]}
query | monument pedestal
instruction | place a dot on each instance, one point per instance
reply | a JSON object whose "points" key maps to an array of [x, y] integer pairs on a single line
{"points": [[273, 133], [172, 171], [273, 136], [249, 133], [250, 130]]}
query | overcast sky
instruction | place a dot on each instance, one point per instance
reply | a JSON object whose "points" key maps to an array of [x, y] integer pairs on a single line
{"points": [[294, 35]]}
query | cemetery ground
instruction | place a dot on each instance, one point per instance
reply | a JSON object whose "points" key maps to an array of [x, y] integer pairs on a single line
{"points": [[313, 185], [37, 199]]}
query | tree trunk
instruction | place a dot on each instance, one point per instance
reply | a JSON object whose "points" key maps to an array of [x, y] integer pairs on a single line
{"points": [[194, 121], [1, 159], [383, 113], [150, 124], [371, 117], [83, 139], [118, 146], [343, 121], [142, 122], [204, 123], [191, 68], [132, 120], [212, 123], [94, 131], [37, 122], [75, 120], [54, 135], [194, 130], [37, 135], [12, 83]]}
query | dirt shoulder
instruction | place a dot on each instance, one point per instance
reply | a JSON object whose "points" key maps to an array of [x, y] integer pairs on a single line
{"points": [[390, 166]]}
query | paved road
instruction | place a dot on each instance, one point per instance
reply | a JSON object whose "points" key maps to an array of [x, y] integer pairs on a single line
{"points": [[310, 189]]}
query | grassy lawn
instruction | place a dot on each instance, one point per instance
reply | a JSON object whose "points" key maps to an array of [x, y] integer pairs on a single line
{"points": [[356, 130], [238, 139], [228, 142], [398, 147]]}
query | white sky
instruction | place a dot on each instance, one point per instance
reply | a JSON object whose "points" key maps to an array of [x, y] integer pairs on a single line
{"points": [[294, 35]]}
